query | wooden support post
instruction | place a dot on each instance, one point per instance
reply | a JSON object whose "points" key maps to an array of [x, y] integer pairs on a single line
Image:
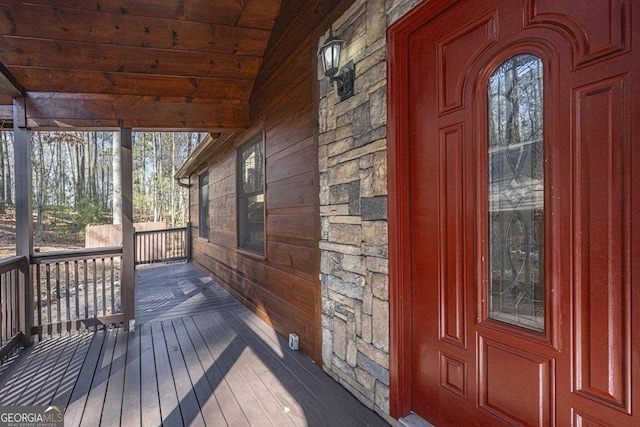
{"points": [[127, 279], [22, 158], [24, 219]]}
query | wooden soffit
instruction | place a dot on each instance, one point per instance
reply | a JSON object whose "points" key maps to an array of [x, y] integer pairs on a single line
{"points": [[172, 64]]}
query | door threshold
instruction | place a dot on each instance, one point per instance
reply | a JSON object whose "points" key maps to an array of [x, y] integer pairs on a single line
{"points": [[414, 420]]}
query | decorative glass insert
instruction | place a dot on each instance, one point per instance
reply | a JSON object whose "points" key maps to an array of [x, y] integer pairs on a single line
{"points": [[516, 193], [251, 196]]}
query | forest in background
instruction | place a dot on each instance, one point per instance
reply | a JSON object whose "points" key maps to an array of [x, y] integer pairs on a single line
{"points": [[73, 176]]}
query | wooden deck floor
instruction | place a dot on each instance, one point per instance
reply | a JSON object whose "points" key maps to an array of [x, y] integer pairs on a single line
{"points": [[197, 357]]}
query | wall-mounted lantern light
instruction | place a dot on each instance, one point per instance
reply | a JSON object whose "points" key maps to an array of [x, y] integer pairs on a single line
{"points": [[330, 57]]}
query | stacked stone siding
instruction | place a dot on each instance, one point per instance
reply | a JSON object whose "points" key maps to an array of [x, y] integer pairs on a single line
{"points": [[353, 208]]}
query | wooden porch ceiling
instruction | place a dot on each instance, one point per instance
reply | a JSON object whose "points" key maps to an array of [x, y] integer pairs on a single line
{"points": [[170, 64]]}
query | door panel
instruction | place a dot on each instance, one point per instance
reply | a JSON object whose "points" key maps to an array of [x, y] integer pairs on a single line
{"points": [[514, 385], [560, 353], [602, 238]]}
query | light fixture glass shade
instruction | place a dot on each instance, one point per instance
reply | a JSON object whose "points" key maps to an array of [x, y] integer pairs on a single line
{"points": [[330, 55]]}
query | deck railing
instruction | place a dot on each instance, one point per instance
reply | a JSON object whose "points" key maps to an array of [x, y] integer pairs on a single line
{"points": [[15, 325], [162, 245], [76, 289], [64, 291]]}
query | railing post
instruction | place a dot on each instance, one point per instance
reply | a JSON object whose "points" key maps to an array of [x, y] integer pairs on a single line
{"points": [[25, 301], [188, 242], [135, 248], [128, 275]]}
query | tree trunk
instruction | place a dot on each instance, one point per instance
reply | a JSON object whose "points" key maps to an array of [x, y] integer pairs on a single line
{"points": [[39, 172], [9, 176], [117, 179], [173, 173]]}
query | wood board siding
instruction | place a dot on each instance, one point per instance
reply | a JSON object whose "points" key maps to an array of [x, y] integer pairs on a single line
{"points": [[283, 286]]}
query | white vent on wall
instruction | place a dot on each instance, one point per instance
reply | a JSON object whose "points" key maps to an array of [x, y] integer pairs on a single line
{"points": [[293, 341]]}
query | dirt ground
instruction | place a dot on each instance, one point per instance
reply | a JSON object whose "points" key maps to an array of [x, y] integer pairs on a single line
{"points": [[8, 238]]}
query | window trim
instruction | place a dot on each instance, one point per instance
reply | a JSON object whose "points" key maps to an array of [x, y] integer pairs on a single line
{"points": [[256, 139]]}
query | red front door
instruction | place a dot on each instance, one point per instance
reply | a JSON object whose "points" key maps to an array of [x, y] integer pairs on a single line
{"points": [[518, 212]]}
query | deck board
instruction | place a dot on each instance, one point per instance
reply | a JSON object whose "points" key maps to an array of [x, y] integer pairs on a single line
{"points": [[196, 357], [73, 413], [327, 399], [226, 351], [114, 395], [149, 397], [189, 407], [132, 382], [72, 372], [274, 410], [230, 407], [50, 386], [210, 408], [169, 406], [93, 409]]}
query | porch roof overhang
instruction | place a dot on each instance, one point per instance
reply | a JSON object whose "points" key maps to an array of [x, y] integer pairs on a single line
{"points": [[142, 64], [209, 145]]}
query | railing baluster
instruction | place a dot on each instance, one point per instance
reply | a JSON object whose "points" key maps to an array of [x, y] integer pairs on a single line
{"points": [[95, 289], [104, 288], [77, 283], [67, 292], [58, 299], [49, 318], [3, 318], [39, 297], [86, 290], [16, 320], [4, 291], [10, 295], [113, 286]]}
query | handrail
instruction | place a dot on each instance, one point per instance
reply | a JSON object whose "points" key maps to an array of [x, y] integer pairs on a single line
{"points": [[12, 263], [75, 254], [142, 232]]}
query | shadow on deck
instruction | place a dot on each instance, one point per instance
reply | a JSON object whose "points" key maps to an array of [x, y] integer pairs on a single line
{"points": [[197, 357]]}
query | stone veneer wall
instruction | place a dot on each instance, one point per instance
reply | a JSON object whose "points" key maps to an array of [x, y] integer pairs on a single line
{"points": [[353, 207]]}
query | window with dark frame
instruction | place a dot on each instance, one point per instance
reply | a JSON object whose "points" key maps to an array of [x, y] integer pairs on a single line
{"points": [[203, 205], [251, 196]]}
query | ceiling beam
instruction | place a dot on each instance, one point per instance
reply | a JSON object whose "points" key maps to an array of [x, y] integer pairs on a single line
{"points": [[8, 84], [224, 11], [54, 110], [125, 30], [46, 80], [65, 55]]}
